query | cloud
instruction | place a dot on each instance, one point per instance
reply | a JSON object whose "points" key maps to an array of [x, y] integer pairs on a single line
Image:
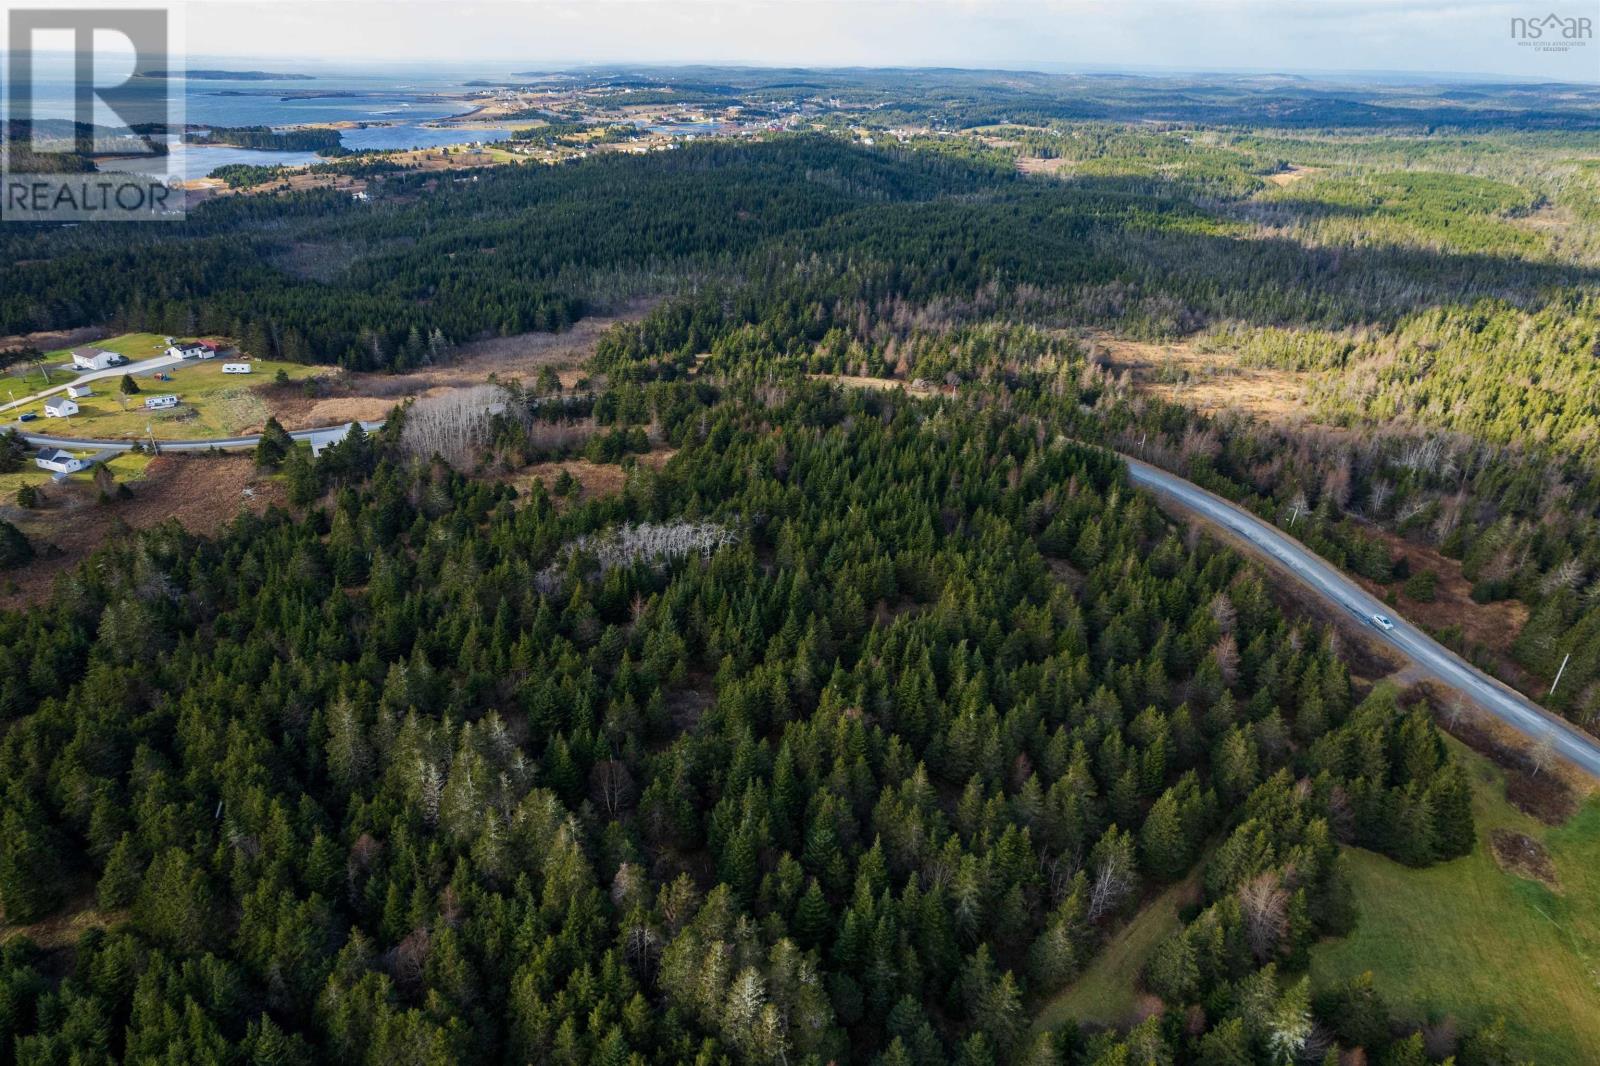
{"points": [[1289, 35]]}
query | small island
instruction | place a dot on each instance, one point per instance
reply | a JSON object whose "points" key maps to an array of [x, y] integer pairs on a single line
{"points": [[325, 142], [227, 75]]}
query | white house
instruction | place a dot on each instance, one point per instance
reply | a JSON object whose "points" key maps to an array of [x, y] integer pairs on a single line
{"points": [[184, 350], [95, 359], [155, 403], [236, 368], [78, 392], [60, 407], [208, 349], [59, 461]]}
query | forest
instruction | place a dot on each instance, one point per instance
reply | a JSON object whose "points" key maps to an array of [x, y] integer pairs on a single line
{"points": [[321, 141], [854, 729], [431, 776]]}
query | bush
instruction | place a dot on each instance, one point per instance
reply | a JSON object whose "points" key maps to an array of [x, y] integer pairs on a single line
{"points": [[1422, 586]]}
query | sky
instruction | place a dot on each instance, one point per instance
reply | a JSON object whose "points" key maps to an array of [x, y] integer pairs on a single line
{"points": [[1432, 36]]}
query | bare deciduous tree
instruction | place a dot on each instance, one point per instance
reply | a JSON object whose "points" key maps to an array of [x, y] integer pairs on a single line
{"points": [[1223, 612], [1226, 653], [645, 542], [612, 785], [1569, 575], [1542, 756], [1265, 906], [1113, 881], [454, 425]]}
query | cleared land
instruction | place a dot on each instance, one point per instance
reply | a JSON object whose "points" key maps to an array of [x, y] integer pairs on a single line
{"points": [[1292, 175], [22, 380], [1474, 941], [345, 397], [1108, 993], [201, 492], [1211, 382], [211, 403], [1511, 930]]}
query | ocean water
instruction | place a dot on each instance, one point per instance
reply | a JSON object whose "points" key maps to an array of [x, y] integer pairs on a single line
{"points": [[401, 98], [409, 135], [197, 161]]}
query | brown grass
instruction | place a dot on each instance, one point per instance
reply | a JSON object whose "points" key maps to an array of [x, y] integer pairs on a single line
{"points": [[594, 479], [1209, 382], [1494, 626], [1551, 796], [50, 340], [201, 492], [1030, 164], [856, 381], [1292, 175], [62, 929], [347, 397]]}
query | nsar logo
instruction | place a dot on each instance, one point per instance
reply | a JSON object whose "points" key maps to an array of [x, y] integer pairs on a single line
{"points": [[1553, 32]]}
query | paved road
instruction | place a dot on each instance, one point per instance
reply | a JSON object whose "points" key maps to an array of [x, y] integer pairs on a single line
{"points": [[1434, 659], [39, 440], [143, 366]]}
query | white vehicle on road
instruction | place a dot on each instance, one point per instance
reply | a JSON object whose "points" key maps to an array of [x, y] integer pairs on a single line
{"points": [[1334, 587]]}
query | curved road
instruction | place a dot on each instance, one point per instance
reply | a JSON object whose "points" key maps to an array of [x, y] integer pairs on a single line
{"points": [[140, 367], [1437, 661], [1443, 665]]}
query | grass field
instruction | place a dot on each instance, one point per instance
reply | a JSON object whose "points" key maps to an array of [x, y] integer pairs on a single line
{"points": [[1470, 940], [1464, 939], [213, 404], [1107, 993], [135, 346], [127, 466], [24, 380]]}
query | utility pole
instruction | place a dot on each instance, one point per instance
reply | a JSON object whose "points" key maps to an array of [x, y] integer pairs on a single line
{"points": [[1559, 672]]}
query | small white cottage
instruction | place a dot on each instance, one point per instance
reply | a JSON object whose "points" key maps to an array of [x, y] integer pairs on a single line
{"points": [[59, 461]]}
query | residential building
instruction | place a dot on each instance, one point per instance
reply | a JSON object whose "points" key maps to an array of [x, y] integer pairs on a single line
{"points": [[59, 461], [78, 392], [60, 407], [95, 359]]}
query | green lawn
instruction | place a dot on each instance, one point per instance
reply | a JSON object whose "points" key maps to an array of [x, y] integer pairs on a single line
{"points": [[135, 346], [1107, 992], [127, 466], [1469, 940], [213, 404], [23, 380], [1464, 939], [20, 381]]}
